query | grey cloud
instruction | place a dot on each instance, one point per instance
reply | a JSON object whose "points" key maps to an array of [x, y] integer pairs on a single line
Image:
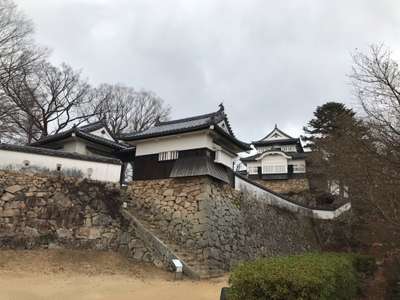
{"points": [[269, 61]]}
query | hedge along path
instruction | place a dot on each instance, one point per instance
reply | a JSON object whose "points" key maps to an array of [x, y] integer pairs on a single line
{"points": [[301, 277]]}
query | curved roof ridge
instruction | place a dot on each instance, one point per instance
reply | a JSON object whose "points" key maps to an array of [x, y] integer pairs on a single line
{"points": [[272, 131], [182, 120]]}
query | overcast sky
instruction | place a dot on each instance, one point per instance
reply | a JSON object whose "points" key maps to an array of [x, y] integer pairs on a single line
{"points": [[268, 61]]}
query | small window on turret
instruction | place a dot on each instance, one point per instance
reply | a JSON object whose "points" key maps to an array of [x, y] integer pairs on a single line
{"points": [[58, 167], [168, 155]]}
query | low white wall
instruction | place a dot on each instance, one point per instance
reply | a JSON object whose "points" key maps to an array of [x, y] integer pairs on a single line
{"points": [[100, 170], [274, 200]]}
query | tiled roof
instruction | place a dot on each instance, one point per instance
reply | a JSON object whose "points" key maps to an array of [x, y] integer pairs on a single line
{"points": [[93, 126], [84, 133], [187, 125], [178, 126], [58, 153], [275, 129]]}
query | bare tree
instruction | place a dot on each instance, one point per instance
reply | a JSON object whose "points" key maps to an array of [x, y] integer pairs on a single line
{"points": [[48, 98], [114, 104], [148, 109], [376, 79], [125, 109], [17, 51]]}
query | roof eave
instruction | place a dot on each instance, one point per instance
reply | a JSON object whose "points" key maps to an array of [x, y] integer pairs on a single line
{"points": [[110, 144], [286, 141], [53, 138], [163, 134], [241, 145]]}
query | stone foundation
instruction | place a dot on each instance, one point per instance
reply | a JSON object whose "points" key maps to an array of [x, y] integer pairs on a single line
{"points": [[242, 227], [44, 211], [203, 214], [174, 206], [287, 186]]}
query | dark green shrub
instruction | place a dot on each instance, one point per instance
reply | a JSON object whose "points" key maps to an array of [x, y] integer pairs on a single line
{"points": [[300, 277], [364, 264]]}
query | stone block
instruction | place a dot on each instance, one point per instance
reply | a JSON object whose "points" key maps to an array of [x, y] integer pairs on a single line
{"points": [[203, 196], [203, 242], [82, 232], [138, 253], [64, 233], [15, 205], [54, 246], [147, 257], [176, 215], [168, 192], [61, 200], [7, 197], [101, 220], [94, 233], [14, 189], [190, 243], [31, 232], [198, 228], [6, 213], [203, 205], [214, 253], [125, 238]]}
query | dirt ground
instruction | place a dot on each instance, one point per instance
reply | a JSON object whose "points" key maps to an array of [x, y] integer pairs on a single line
{"points": [[91, 275]]}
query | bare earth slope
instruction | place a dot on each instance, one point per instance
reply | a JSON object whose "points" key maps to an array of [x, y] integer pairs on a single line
{"points": [[68, 274]]}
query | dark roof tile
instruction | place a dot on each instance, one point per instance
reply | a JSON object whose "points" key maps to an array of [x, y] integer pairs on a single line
{"points": [[188, 125], [84, 133]]}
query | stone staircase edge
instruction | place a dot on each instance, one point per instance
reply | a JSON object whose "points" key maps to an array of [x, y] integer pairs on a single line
{"points": [[151, 240]]}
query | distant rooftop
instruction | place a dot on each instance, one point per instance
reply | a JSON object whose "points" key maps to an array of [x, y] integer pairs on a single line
{"points": [[276, 136]]}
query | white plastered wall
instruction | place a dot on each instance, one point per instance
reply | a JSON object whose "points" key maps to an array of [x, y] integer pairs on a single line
{"points": [[75, 146], [100, 170], [274, 161], [225, 158], [252, 167], [105, 135], [175, 143], [185, 142]]}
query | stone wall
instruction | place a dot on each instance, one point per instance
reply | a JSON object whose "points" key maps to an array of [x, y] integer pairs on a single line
{"points": [[287, 186], [242, 227], [226, 226], [47, 211], [200, 215], [174, 206]]}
